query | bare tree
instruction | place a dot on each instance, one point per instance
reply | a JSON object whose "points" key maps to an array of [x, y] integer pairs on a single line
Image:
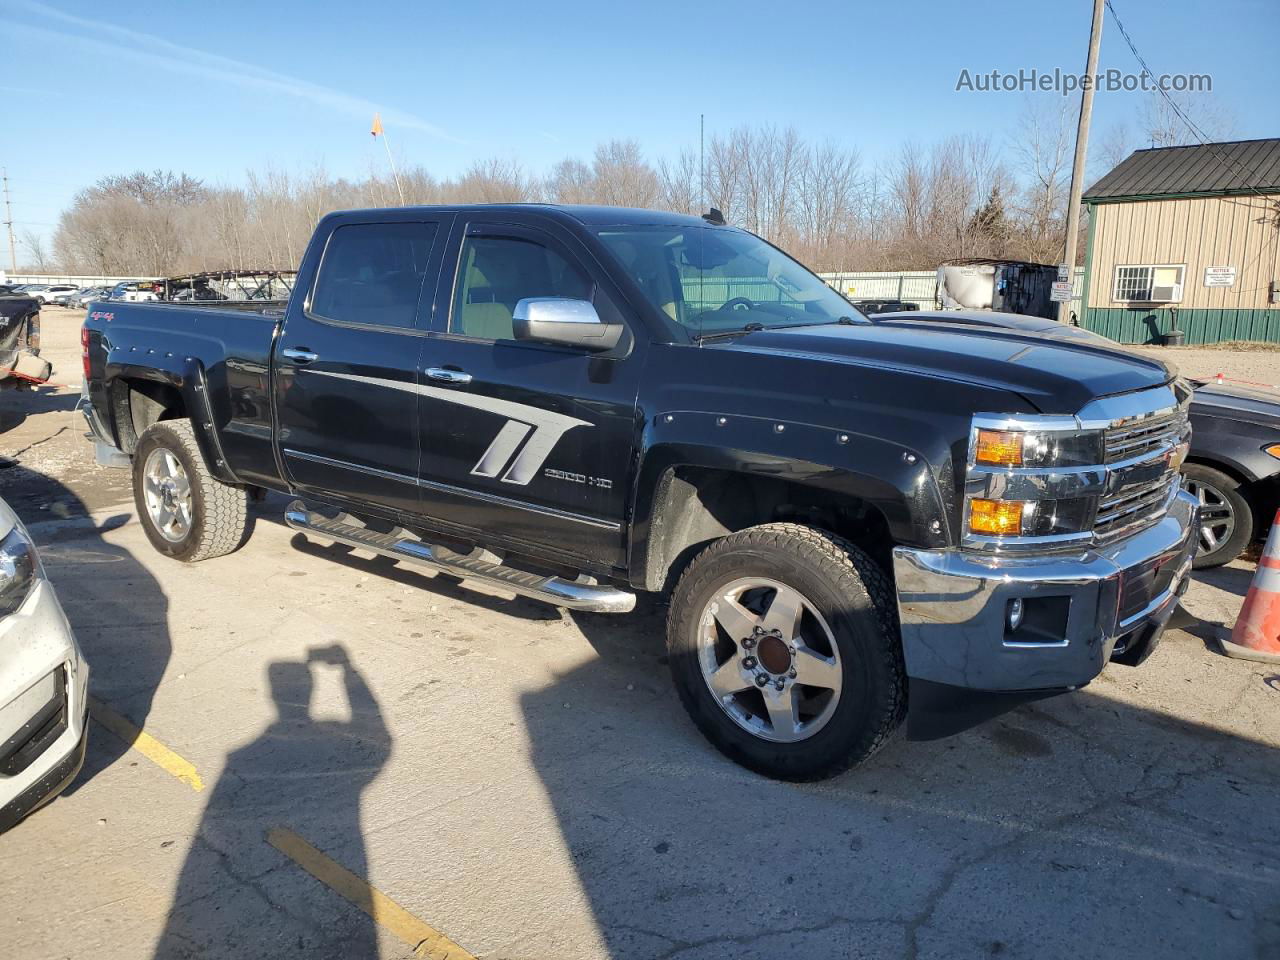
{"points": [[571, 181], [1042, 146], [621, 176], [952, 197], [1163, 127], [1113, 148], [38, 259], [680, 184]]}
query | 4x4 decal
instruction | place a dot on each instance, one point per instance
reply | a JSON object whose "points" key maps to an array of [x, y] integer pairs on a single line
{"points": [[523, 443]]}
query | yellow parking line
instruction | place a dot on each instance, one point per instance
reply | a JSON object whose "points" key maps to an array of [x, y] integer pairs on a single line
{"points": [[145, 744], [426, 940]]}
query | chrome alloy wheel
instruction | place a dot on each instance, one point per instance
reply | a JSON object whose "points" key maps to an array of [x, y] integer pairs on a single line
{"points": [[167, 492], [1217, 518], [769, 659]]}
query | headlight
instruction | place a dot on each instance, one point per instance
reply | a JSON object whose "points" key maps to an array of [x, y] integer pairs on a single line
{"points": [[18, 566], [1037, 448], [1032, 477], [1029, 518]]}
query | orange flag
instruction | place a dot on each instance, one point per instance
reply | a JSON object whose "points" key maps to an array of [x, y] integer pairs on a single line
{"points": [[377, 124]]}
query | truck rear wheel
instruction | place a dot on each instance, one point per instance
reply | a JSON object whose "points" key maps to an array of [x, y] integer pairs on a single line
{"points": [[784, 647], [187, 513]]}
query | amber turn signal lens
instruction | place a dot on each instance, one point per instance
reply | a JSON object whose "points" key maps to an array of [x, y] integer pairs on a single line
{"points": [[1000, 517], [1274, 450], [1000, 447]]}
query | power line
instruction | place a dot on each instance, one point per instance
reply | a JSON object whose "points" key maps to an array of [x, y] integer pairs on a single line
{"points": [[1178, 112]]}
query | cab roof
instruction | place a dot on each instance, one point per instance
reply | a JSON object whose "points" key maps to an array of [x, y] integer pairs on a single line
{"points": [[586, 214]]}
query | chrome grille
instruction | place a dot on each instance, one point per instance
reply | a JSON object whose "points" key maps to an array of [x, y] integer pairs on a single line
{"points": [[1133, 507], [1133, 447], [1137, 436]]}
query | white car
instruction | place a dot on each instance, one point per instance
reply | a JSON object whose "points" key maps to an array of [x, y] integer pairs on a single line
{"points": [[44, 682], [61, 294]]}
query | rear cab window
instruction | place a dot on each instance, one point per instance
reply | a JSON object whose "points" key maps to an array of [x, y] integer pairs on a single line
{"points": [[371, 273]]}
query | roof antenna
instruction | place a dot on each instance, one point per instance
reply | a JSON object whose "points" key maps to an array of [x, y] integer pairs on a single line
{"points": [[714, 217]]}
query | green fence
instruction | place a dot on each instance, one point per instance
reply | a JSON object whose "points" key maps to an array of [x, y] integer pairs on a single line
{"points": [[1135, 325]]}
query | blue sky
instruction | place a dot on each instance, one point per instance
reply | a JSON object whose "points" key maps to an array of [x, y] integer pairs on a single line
{"points": [[90, 89]]}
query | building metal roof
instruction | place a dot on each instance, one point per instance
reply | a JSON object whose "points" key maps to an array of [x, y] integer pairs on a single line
{"points": [[1240, 166]]}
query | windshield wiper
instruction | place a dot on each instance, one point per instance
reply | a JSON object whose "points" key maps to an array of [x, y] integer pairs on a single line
{"points": [[838, 321], [754, 326]]}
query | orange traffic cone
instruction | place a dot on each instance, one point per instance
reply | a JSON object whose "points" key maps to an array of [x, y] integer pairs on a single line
{"points": [[1257, 632]]}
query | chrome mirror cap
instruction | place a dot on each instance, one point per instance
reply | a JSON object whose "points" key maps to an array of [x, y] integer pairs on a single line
{"points": [[564, 322]]}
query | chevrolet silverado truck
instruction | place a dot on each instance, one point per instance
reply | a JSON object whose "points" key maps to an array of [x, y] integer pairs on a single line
{"points": [[583, 404]]}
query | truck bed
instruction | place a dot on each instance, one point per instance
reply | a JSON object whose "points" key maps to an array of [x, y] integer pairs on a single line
{"points": [[215, 355]]}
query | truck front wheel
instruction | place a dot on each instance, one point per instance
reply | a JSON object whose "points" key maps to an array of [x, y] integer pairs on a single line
{"points": [[187, 513], [784, 647]]}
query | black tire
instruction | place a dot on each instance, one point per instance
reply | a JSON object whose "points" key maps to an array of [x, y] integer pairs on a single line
{"points": [[854, 596], [1229, 507], [219, 511]]}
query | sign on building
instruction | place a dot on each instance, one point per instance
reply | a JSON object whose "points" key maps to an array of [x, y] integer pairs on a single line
{"points": [[1061, 292], [1219, 276]]}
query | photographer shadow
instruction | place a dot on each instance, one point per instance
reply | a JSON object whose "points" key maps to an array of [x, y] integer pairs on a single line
{"points": [[300, 780]]}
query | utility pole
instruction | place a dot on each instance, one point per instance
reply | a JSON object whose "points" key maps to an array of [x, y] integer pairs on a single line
{"points": [[8, 222], [1082, 149]]}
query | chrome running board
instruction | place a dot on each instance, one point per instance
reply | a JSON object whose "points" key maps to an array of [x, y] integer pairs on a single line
{"points": [[580, 594]]}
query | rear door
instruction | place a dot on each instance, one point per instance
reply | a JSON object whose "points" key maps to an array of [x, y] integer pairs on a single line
{"points": [[346, 360], [530, 441]]}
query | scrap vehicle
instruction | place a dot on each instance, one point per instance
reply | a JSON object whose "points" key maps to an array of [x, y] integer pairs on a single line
{"points": [[44, 681], [20, 361], [1233, 467], [1011, 286], [265, 285], [584, 404], [868, 307]]}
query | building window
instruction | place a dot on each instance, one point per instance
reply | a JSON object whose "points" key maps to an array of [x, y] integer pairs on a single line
{"points": [[1157, 283]]}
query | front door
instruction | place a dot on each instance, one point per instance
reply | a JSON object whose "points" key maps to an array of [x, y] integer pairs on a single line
{"points": [[346, 363], [528, 440]]}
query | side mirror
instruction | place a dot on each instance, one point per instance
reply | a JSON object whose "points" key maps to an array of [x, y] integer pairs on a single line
{"points": [[568, 323]]}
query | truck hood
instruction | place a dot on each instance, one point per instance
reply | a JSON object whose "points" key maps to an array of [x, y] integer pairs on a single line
{"points": [[1055, 376]]}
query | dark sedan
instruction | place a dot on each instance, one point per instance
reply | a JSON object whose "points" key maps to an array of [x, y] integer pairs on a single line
{"points": [[1234, 464]]}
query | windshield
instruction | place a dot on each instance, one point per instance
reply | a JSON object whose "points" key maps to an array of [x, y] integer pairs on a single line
{"points": [[714, 280]]}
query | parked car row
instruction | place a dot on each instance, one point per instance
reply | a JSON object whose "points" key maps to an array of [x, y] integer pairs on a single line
{"points": [[70, 295]]}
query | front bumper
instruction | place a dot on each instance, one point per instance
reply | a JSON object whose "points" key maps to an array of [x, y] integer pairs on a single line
{"points": [[44, 683], [1083, 609]]}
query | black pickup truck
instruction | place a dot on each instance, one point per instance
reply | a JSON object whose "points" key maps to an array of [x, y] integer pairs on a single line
{"points": [[580, 404]]}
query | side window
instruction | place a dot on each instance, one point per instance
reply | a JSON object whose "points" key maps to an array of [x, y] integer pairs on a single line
{"points": [[496, 273], [372, 273]]}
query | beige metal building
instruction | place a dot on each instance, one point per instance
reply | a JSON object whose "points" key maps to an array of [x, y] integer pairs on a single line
{"points": [[1186, 237]]}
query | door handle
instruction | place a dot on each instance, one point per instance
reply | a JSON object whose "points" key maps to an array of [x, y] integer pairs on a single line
{"points": [[299, 355], [447, 376]]}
